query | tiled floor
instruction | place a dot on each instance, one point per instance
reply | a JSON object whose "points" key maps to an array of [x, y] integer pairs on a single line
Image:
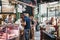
{"points": [[37, 35]]}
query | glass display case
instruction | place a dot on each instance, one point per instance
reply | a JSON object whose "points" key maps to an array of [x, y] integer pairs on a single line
{"points": [[8, 31]]}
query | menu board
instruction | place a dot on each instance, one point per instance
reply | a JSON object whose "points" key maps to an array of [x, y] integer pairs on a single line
{"points": [[5, 1], [8, 8]]}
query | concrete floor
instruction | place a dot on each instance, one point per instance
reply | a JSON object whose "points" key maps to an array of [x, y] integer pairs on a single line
{"points": [[37, 35]]}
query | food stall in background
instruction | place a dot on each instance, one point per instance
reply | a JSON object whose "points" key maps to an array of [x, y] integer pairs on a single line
{"points": [[51, 25]]}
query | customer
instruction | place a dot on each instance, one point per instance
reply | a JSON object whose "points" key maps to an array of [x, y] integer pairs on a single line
{"points": [[22, 24], [27, 27], [53, 22], [32, 28], [9, 19]]}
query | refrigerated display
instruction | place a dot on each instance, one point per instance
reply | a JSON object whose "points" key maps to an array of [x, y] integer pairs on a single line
{"points": [[9, 32]]}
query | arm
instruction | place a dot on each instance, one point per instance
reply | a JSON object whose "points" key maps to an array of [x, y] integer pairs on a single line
{"points": [[23, 23]]}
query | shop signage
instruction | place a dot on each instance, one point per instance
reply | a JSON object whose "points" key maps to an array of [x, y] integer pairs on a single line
{"points": [[8, 8], [5, 1]]}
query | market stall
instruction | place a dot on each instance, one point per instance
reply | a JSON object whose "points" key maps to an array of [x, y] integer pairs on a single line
{"points": [[9, 32], [50, 27], [10, 13]]}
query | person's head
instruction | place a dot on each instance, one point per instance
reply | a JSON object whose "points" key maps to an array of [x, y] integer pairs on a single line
{"points": [[10, 16], [52, 19], [22, 15]]}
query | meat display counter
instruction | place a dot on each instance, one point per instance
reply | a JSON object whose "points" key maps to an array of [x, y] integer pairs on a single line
{"points": [[9, 32]]}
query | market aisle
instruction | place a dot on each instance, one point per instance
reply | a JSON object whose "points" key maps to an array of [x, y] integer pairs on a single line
{"points": [[37, 35]]}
